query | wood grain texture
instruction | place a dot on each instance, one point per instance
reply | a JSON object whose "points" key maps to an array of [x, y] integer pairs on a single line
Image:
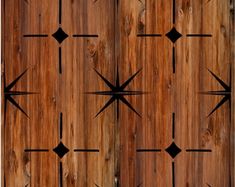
{"points": [[117, 24]]}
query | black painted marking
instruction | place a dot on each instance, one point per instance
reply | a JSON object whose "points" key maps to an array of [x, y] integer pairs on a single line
{"points": [[198, 150], [173, 126], [148, 150], [61, 174], [117, 92], [61, 150], [8, 94], [86, 150], [60, 11], [173, 59], [199, 35], [173, 35], [226, 92], [140, 184], [173, 174], [60, 60], [173, 150], [173, 12], [149, 35], [85, 35], [36, 150], [36, 35], [96, 185], [61, 125], [60, 35]]}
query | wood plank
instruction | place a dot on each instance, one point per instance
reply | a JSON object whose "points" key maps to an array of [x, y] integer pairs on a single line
{"points": [[110, 37]]}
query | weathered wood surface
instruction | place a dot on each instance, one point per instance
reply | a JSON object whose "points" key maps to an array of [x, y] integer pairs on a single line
{"points": [[117, 23]]}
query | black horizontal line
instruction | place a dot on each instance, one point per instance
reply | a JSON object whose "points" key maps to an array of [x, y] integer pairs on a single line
{"points": [[148, 150], [216, 93], [117, 93], [85, 35], [149, 35], [199, 35], [36, 35], [198, 150], [36, 150], [86, 150]]}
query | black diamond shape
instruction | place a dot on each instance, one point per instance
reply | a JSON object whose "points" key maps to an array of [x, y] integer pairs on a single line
{"points": [[173, 35], [61, 150], [173, 150], [60, 35]]}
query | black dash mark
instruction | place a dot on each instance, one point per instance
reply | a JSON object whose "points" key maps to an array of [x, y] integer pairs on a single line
{"points": [[61, 175], [36, 150], [173, 11], [198, 150], [148, 150], [199, 35], [60, 60], [173, 174], [61, 125], [60, 11], [149, 35], [173, 125], [36, 35], [86, 150], [173, 59], [85, 35]]}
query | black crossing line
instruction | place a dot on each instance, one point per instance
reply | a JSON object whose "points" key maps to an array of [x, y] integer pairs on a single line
{"points": [[173, 58], [149, 35], [198, 150], [148, 150], [173, 126], [85, 35], [60, 60], [173, 174], [60, 11], [86, 150], [61, 125], [36, 150], [199, 35], [60, 174], [35, 35], [173, 12]]}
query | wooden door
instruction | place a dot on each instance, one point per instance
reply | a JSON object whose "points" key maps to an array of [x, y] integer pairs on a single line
{"points": [[118, 93]]}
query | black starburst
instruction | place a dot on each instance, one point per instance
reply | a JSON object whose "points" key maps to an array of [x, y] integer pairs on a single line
{"points": [[8, 93], [117, 92], [226, 93]]}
